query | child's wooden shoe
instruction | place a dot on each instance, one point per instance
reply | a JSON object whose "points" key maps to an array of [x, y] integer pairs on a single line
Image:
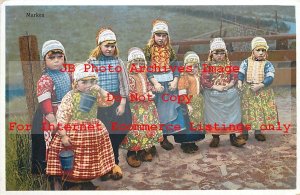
{"points": [[116, 173], [145, 155], [165, 144], [214, 142], [133, 161]]}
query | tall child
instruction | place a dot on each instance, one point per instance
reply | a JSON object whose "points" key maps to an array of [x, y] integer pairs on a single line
{"points": [[115, 81], [162, 57], [86, 135], [51, 88], [222, 109], [255, 76], [139, 142]]}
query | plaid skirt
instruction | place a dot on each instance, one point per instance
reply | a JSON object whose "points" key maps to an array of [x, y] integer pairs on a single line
{"points": [[93, 153]]}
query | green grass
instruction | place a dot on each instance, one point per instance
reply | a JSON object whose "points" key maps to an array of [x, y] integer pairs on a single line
{"points": [[76, 26], [18, 163]]}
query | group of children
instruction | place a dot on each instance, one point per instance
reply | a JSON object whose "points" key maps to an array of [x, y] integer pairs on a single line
{"points": [[215, 100]]}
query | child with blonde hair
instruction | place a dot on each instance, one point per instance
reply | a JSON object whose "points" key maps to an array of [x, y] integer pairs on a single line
{"points": [[255, 76], [164, 76], [115, 81]]}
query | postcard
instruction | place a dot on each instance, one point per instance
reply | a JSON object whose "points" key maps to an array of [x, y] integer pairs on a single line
{"points": [[136, 98]]}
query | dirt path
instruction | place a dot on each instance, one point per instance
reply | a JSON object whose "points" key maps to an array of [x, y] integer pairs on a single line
{"points": [[258, 165]]}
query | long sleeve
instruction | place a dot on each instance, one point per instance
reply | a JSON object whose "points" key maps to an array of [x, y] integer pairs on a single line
{"points": [[269, 71], [123, 79], [64, 112], [173, 62], [44, 93], [147, 53]]}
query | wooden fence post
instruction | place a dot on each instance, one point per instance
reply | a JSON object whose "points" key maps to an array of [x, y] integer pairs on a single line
{"points": [[31, 67]]}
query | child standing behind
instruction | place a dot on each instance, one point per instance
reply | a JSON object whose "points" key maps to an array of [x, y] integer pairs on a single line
{"points": [[116, 83], [51, 88], [189, 84], [139, 142], [221, 99], [254, 79]]}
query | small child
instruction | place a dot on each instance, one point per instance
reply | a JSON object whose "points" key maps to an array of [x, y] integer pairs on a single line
{"points": [[189, 85], [255, 76], [222, 108], [139, 142], [51, 88], [88, 137]]}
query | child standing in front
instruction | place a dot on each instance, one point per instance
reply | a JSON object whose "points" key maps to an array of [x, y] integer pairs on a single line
{"points": [[189, 85], [139, 142], [222, 109], [87, 136], [115, 81], [162, 57], [51, 88], [255, 76]]}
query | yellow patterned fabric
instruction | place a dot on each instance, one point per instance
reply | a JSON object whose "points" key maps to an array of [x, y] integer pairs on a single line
{"points": [[255, 71], [161, 57]]}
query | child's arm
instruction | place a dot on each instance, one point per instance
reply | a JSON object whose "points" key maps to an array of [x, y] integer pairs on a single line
{"points": [[124, 88], [173, 62], [102, 96], [157, 86], [242, 72], [183, 85], [63, 116], [269, 71], [44, 91]]}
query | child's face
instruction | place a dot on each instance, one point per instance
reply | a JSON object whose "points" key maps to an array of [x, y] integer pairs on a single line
{"points": [[218, 55], [160, 38], [85, 85], [195, 68], [259, 53], [137, 64], [108, 49], [54, 61]]}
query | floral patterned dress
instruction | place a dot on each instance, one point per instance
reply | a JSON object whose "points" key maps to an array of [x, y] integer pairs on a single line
{"points": [[91, 144], [143, 113], [258, 108]]}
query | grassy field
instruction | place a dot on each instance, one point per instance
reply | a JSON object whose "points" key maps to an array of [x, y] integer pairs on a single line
{"points": [[76, 26]]}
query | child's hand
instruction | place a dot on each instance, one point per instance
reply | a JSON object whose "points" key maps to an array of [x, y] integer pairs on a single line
{"points": [[218, 87], [120, 109], [173, 85], [190, 109], [66, 141], [52, 120], [256, 87], [150, 96], [240, 84], [158, 88], [95, 87]]}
